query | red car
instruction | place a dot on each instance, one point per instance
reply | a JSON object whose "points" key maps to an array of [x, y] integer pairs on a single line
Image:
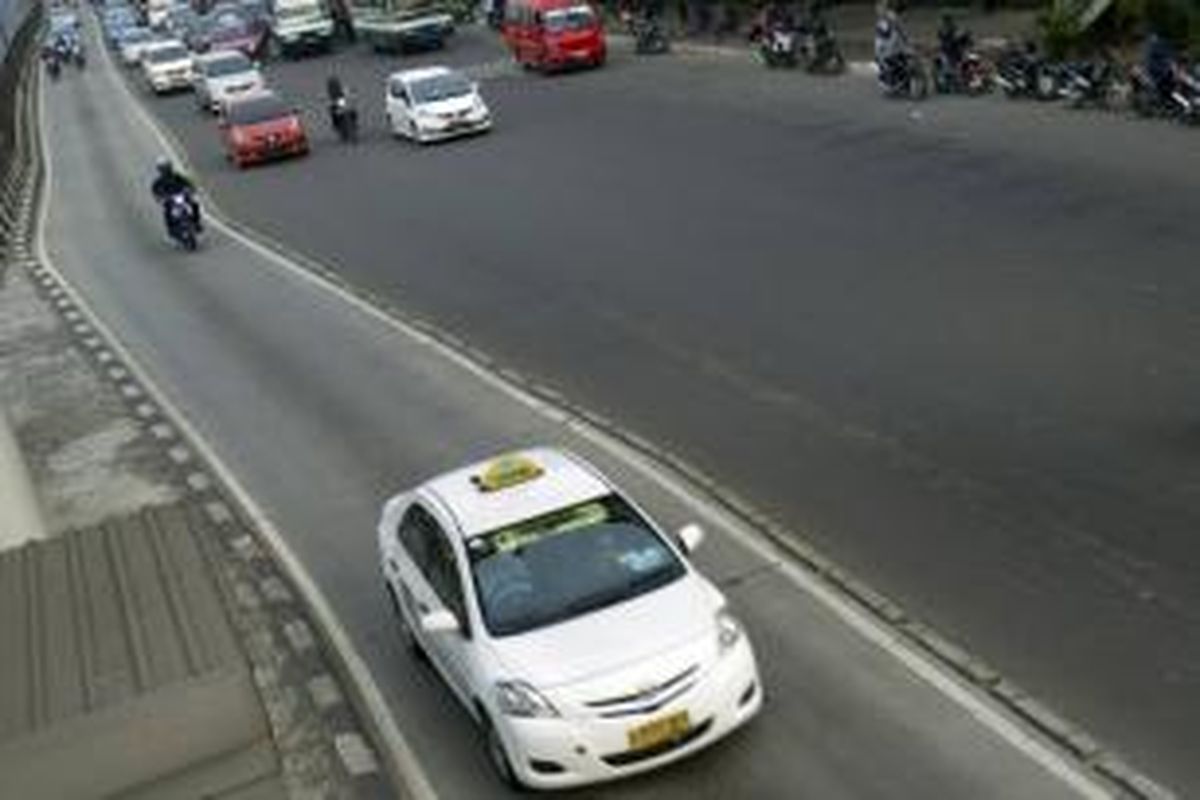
{"points": [[259, 127], [554, 34]]}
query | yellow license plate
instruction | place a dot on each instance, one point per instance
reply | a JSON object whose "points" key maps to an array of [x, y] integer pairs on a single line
{"points": [[659, 731]]}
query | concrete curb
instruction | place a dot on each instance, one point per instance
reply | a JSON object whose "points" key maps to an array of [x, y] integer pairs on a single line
{"points": [[20, 515], [20, 512], [745, 53]]}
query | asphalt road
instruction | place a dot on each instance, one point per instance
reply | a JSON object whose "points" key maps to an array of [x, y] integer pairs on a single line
{"points": [[322, 410], [953, 345]]}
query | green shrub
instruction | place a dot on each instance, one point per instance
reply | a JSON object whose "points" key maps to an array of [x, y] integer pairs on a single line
{"points": [[1060, 31]]}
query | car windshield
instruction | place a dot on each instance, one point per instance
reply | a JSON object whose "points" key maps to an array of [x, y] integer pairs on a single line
{"points": [[257, 110], [575, 18], [296, 12], [230, 65], [228, 24], [562, 565], [162, 55], [439, 87], [137, 36]]}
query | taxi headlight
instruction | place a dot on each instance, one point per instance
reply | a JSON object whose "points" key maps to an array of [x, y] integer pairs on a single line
{"points": [[519, 699], [729, 631]]}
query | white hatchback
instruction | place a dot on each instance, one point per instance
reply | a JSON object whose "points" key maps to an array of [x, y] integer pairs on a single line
{"points": [[433, 103], [167, 66], [577, 634]]}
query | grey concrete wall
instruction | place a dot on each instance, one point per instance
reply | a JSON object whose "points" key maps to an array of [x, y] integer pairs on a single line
{"points": [[12, 14]]}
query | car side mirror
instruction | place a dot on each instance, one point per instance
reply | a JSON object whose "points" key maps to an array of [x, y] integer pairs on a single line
{"points": [[440, 621], [690, 537]]}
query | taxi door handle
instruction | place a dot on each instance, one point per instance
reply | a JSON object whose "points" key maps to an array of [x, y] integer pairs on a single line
{"points": [[392, 565]]}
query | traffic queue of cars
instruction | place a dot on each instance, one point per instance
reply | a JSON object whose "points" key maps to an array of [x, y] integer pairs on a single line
{"points": [[211, 55], [216, 62], [189, 50]]}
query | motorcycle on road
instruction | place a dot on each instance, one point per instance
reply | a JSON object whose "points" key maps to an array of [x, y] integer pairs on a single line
{"points": [[819, 50], [970, 75], [904, 76], [182, 224], [343, 117], [778, 48]]}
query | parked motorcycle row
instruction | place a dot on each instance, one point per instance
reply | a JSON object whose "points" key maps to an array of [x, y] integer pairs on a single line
{"points": [[1019, 71], [1022, 73]]}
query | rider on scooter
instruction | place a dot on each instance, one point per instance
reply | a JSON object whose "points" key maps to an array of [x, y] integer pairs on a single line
{"points": [[1160, 65], [891, 43], [168, 183], [953, 43]]}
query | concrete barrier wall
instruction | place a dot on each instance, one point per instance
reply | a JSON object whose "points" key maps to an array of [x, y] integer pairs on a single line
{"points": [[13, 14], [17, 23]]}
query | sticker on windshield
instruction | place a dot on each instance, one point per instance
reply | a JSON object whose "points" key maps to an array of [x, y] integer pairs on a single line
{"points": [[525, 533]]}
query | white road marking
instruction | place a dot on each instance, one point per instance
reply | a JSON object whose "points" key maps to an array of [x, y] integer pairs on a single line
{"points": [[935, 675]]}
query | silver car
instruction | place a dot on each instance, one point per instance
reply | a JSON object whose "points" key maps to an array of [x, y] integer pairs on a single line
{"points": [[220, 76]]}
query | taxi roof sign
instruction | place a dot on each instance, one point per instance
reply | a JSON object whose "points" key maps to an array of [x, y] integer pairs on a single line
{"points": [[506, 472]]}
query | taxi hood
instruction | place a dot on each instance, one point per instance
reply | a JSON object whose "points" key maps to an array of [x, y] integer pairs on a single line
{"points": [[612, 639]]}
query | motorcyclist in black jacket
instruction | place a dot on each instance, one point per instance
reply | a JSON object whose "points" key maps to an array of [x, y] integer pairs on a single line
{"points": [[953, 42], [168, 183], [1159, 62]]}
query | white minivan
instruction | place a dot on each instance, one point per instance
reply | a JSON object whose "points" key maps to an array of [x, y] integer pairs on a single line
{"points": [[433, 103]]}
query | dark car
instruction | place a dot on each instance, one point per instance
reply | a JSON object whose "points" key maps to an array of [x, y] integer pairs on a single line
{"points": [[230, 29]]}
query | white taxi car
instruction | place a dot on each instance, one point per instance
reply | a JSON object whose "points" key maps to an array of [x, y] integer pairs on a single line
{"points": [[433, 103], [167, 66], [575, 632]]}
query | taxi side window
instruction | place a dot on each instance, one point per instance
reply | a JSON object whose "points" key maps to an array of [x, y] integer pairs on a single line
{"points": [[414, 538], [430, 549]]}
